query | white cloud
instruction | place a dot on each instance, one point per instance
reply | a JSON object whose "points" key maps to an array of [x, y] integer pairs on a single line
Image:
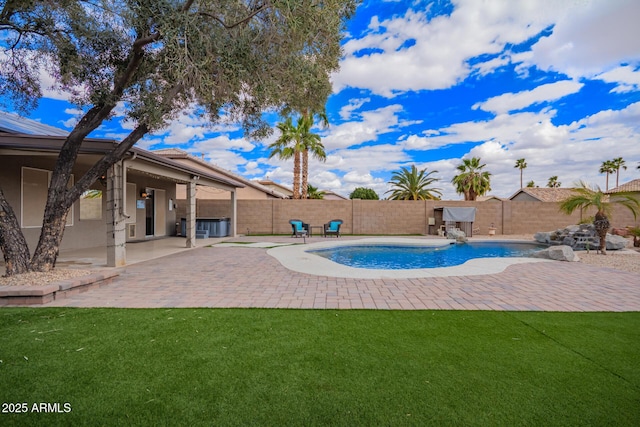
{"points": [[593, 37], [573, 152], [627, 78], [443, 45], [516, 101], [354, 104], [372, 123]]}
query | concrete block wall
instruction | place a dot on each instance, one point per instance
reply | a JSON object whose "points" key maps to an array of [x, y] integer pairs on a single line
{"points": [[254, 216], [380, 217], [389, 217], [313, 212], [530, 217]]}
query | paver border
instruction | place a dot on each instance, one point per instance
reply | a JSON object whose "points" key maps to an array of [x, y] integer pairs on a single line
{"points": [[28, 295]]}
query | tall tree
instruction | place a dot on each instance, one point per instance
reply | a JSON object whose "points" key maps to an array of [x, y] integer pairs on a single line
{"points": [[156, 57], [521, 164], [297, 141], [287, 146], [618, 163], [311, 144], [607, 168], [413, 185], [584, 197], [553, 182], [472, 181], [364, 194]]}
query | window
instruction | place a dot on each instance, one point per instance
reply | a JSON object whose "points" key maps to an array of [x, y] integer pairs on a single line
{"points": [[91, 205], [35, 185]]}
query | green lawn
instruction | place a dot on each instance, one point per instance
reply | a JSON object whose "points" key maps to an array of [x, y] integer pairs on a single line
{"points": [[208, 367]]}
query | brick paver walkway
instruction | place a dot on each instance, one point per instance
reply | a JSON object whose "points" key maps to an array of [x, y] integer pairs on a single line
{"points": [[248, 277]]}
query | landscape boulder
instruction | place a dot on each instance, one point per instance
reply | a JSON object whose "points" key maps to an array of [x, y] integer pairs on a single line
{"points": [[457, 235], [616, 242], [557, 253], [542, 237], [580, 237]]}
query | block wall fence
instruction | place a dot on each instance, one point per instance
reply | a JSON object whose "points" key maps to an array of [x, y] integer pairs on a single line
{"points": [[393, 217]]}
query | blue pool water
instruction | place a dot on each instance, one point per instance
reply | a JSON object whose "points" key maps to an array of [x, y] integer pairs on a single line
{"points": [[402, 257]]}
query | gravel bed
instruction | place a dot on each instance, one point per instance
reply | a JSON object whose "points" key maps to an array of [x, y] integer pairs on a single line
{"points": [[628, 260], [41, 279]]}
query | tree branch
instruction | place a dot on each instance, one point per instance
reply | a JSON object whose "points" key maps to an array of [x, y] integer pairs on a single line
{"points": [[256, 11]]}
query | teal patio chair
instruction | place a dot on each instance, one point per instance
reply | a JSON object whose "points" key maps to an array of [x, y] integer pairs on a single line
{"points": [[332, 228], [299, 228]]}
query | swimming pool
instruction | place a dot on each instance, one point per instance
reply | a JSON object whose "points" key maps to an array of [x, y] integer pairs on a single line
{"points": [[403, 257]]}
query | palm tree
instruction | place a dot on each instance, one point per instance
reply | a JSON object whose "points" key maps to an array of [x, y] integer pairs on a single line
{"points": [[297, 141], [585, 197], [314, 193], [413, 185], [618, 163], [607, 167], [531, 184], [553, 182], [289, 145], [472, 181], [520, 164], [310, 144]]}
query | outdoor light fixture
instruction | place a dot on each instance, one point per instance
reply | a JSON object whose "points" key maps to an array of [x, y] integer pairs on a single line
{"points": [[144, 194]]}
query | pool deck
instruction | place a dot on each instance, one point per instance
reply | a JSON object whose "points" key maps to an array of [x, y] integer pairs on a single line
{"points": [[246, 275]]}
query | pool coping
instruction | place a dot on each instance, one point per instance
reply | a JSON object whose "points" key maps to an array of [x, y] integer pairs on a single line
{"points": [[297, 258]]}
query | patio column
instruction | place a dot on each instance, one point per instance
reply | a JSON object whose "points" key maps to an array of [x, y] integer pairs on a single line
{"points": [[191, 214], [234, 215], [116, 233]]}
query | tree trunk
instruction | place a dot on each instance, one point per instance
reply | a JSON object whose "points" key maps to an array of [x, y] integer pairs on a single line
{"points": [[12, 242], [601, 224], [520, 178], [46, 253], [305, 175], [296, 175]]}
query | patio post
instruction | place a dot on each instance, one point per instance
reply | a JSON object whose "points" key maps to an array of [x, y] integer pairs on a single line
{"points": [[234, 215], [116, 233], [191, 214]]}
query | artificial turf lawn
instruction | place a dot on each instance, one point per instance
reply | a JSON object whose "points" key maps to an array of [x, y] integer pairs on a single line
{"points": [[320, 367]]}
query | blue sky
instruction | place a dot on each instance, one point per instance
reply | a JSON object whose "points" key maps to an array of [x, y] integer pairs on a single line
{"points": [[431, 82]]}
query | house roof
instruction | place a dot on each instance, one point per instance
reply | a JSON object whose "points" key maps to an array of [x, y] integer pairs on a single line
{"points": [[267, 182], [485, 198], [633, 186], [333, 194], [174, 153], [545, 194], [30, 143], [14, 124]]}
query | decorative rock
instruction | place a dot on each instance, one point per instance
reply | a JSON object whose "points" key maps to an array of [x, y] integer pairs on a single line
{"points": [[616, 242], [557, 253], [542, 237], [455, 234]]}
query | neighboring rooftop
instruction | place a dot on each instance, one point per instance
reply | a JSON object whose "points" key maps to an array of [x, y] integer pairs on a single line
{"points": [[487, 198], [278, 187], [543, 194], [14, 124], [633, 186], [177, 154]]}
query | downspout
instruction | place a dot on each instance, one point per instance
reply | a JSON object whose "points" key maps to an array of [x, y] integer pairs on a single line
{"points": [[123, 205]]}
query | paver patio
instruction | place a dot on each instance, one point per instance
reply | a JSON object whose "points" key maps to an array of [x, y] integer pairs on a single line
{"points": [[249, 277]]}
